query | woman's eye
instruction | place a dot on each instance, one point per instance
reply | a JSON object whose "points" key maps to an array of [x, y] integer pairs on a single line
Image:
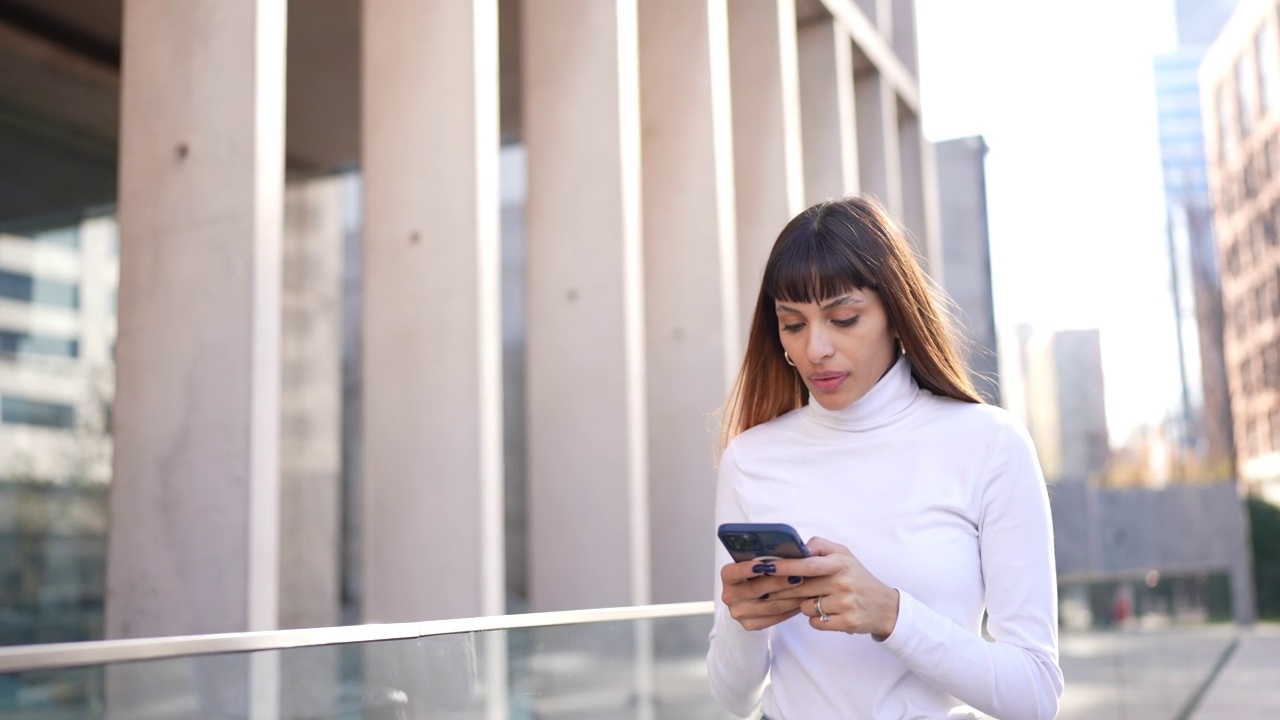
{"points": [[845, 322], [792, 328]]}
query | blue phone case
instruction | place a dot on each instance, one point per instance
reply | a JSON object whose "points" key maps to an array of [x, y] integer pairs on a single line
{"points": [[761, 541]]}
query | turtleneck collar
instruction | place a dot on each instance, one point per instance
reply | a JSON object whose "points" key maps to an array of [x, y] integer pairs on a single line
{"points": [[888, 398]]}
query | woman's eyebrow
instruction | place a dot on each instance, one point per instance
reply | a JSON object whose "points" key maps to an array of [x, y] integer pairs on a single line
{"points": [[846, 300]]}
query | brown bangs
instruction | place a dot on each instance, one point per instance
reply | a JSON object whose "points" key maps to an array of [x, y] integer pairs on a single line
{"points": [[810, 265]]}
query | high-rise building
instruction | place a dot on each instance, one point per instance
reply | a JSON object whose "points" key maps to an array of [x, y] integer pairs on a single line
{"points": [[966, 255], [1065, 403], [1240, 92], [1203, 426]]}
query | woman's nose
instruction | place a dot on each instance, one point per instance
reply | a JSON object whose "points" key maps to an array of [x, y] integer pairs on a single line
{"points": [[819, 346]]}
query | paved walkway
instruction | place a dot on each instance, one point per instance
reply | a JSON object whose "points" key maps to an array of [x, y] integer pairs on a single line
{"points": [[1248, 686], [1169, 674]]}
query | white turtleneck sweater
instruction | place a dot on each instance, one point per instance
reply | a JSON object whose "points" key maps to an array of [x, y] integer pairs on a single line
{"points": [[940, 499]]}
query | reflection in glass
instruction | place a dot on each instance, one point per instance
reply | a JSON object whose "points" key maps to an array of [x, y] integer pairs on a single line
{"points": [[625, 669], [57, 328]]}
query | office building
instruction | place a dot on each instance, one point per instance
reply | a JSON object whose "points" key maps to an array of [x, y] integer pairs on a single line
{"points": [[1065, 402], [1240, 97], [217, 129], [57, 338], [966, 252], [1201, 429]]}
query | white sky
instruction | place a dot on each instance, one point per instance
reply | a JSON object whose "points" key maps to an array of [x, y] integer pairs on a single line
{"points": [[1063, 92]]}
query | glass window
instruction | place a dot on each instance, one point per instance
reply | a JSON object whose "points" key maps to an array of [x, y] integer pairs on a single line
{"points": [[1265, 56], [21, 411], [41, 291], [1270, 368], [1246, 100], [68, 237], [23, 344], [1224, 123]]}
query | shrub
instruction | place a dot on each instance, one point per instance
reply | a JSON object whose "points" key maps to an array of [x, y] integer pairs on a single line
{"points": [[1264, 523]]}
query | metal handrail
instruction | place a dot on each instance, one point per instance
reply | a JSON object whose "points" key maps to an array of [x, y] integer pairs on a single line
{"points": [[24, 658]]}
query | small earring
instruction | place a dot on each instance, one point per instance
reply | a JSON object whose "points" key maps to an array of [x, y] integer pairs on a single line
{"points": [[787, 357]]}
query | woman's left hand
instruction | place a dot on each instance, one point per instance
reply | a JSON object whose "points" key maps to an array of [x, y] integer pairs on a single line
{"points": [[838, 586]]}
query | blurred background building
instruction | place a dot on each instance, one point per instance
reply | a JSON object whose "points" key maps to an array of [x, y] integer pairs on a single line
{"points": [[1200, 433], [966, 251], [1240, 91], [1064, 407]]}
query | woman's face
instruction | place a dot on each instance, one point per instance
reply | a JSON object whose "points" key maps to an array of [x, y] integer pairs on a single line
{"points": [[841, 346]]}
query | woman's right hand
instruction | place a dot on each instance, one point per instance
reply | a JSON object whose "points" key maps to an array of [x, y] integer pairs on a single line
{"points": [[748, 589]]}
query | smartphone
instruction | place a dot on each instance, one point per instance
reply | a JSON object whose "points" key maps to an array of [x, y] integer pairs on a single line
{"points": [[761, 541]]}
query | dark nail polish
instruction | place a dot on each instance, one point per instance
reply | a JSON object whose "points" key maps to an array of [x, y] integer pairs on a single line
{"points": [[794, 580], [764, 568]]}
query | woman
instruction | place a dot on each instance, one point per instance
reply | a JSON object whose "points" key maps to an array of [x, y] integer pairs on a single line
{"points": [[853, 420]]}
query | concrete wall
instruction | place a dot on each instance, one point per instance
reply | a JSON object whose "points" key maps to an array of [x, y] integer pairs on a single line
{"points": [[1104, 535]]}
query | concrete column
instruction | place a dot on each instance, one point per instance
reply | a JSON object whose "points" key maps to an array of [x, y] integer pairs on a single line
{"points": [[195, 497], [768, 167], [432, 477], [588, 515], [919, 192], [827, 111], [879, 12], [691, 278], [194, 539], [903, 32], [879, 161]]}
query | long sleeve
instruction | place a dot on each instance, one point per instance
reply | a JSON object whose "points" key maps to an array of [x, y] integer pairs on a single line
{"points": [[738, 661], [1017, 676]]}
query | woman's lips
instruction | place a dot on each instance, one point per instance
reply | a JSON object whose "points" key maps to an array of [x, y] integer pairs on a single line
{"points": [[827, 381]]}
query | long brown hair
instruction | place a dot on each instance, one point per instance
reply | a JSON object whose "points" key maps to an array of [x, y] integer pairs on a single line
{"points": [[825, 251]]}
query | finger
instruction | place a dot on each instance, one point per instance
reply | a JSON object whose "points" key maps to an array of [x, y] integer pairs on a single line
{"points": [[810, 567], [760, 623], [811, 609], [817, 624], [821, 547], [774, 607], [755, 588], [807, 589], [755, 609], [743, 571]]}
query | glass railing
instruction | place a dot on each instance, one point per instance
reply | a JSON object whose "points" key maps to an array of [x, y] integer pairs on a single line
{"points": [[643, 663], [622, 663]]}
